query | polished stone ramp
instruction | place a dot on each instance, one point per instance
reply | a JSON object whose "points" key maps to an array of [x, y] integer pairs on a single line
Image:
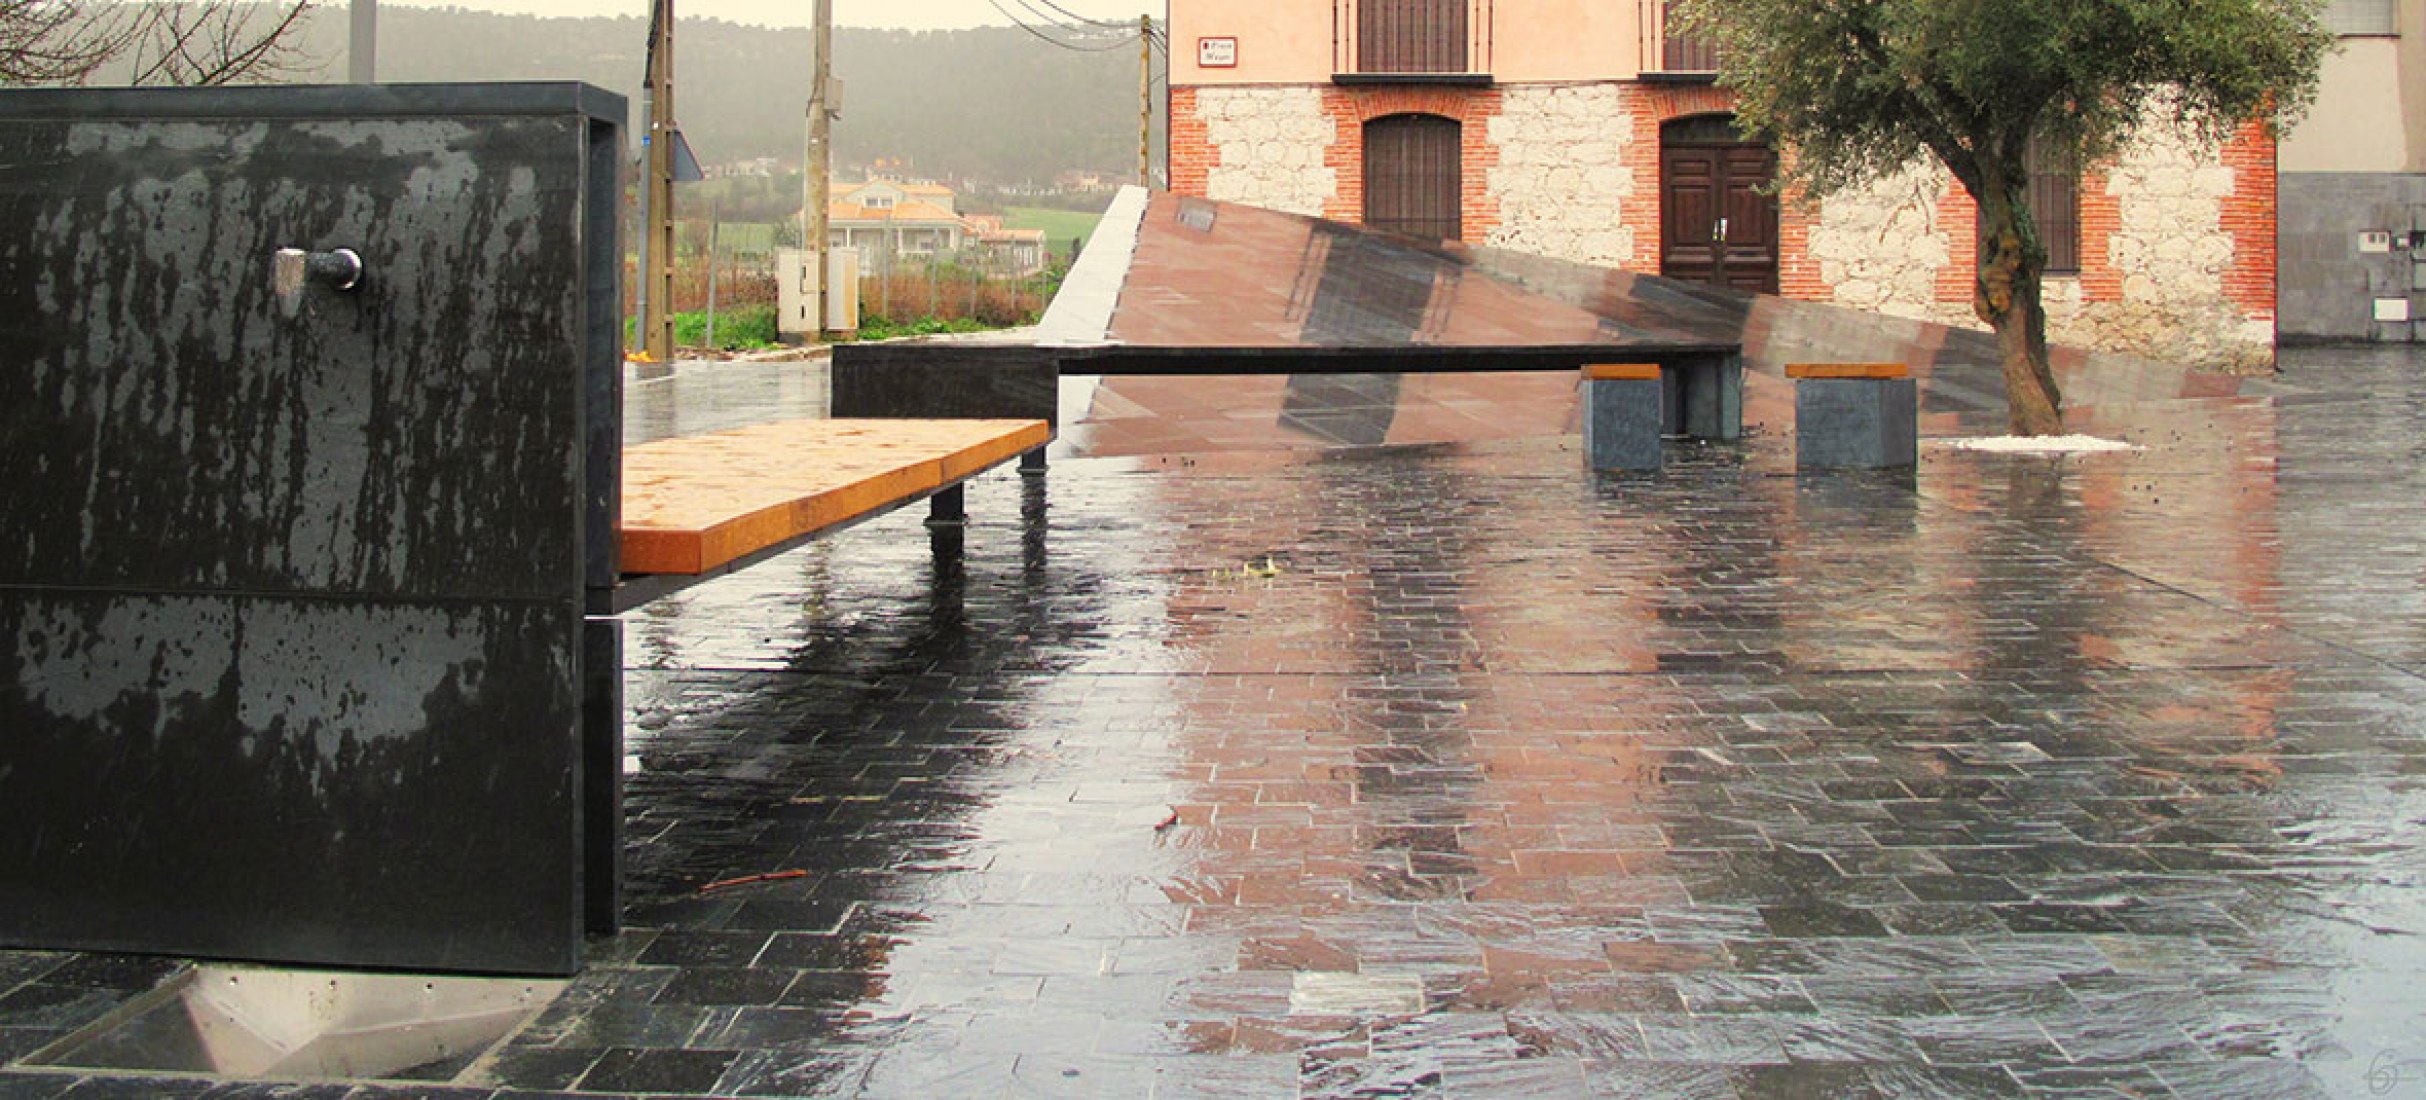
{"points": [[1350, 739], [1174, 286]]}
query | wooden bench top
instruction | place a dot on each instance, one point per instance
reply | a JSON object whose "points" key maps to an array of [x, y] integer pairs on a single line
{"points": [[1622, 372], [696, 503], [1847, 370]]}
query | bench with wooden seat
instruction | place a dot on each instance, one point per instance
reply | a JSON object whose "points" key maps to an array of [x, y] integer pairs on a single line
{"points": [[694, 508], [703, 506]]}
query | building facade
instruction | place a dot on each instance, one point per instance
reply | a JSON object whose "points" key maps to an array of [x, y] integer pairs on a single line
{"points": [[2354, 184], [1584, 130]]}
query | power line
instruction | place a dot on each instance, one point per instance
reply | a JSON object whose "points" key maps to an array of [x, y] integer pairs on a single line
{"points": [[1075, 17], [1043, 37]]}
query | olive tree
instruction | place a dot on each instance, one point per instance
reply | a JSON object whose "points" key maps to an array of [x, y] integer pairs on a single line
{"points": [[1855, 90], [188, 42]]}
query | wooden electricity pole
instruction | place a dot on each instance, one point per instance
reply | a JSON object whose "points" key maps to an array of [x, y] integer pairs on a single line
{"points": [[362, 48], [1145, 101], [657, 246], [817, 180]]}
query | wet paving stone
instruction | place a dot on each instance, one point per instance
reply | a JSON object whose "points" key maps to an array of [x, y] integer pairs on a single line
{"points": [[1274, 770], [628, 1070]]}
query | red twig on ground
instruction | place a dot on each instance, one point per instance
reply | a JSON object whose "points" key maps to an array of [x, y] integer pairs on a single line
{"points": [[751, 880]]}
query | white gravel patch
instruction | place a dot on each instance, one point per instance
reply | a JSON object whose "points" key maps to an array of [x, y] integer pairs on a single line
{"points": [[2039, 444]]}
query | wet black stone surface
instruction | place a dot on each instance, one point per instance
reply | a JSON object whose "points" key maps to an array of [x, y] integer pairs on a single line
{"points": [[290, 588], [1273, 767]]}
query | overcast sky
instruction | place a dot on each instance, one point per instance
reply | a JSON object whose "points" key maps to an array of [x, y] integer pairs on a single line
{"points": [[916, 14]]}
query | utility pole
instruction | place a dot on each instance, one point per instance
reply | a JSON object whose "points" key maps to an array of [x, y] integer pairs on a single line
{"points": [[817, 174], [1145, 101], [362, 50], [657, 213]]}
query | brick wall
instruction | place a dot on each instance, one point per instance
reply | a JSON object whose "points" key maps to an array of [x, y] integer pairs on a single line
{"points": [[1193, 154], [2250, 218]]}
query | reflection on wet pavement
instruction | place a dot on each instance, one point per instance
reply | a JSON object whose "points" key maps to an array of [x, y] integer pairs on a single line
{"points": [[1244, 757]]}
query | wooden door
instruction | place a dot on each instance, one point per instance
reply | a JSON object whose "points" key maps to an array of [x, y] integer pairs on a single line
{"points": [[1414, 179], [1718, 222]]}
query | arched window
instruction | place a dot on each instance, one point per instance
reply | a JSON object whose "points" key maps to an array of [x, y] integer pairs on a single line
{"points": [[1413, 177]]}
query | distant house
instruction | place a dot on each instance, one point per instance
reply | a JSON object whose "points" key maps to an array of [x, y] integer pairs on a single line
{"points": [[1088, 180], [1585, 130], [1010, 251], [894, 221], [754, 168]]}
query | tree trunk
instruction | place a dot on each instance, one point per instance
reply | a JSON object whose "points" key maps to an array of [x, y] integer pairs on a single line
{"points": [[2012, 265]]}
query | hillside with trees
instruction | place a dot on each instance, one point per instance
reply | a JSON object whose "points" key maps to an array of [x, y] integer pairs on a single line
{"points": [[993, 105]]}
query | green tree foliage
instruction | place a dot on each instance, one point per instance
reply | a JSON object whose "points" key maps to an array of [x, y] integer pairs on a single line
{"points": [[1854, 90]]}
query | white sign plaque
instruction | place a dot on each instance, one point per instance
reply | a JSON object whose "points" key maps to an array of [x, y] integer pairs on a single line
{"points": [[1217, 53]]}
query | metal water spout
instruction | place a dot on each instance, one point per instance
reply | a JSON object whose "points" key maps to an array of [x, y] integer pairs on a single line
{"points": [[293, 269]]}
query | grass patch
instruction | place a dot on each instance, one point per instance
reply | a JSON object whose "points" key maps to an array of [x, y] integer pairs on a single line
{"points": [[741, 328], [1059, 225], [885, 328]]}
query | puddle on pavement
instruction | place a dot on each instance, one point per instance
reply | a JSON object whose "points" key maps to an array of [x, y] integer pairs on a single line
{"points": [[258, 1023], [1325, 993]]}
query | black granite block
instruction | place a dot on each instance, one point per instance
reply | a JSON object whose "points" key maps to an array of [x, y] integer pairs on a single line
{"points": [[288, 779], [178, 428], [945, 380], [291, 581]]}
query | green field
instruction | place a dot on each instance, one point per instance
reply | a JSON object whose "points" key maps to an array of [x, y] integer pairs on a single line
{"points": [[1059, 225]]}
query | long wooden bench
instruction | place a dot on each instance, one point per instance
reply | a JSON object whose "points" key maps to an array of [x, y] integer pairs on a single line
{"points": [[698, 507], [702, 506]]}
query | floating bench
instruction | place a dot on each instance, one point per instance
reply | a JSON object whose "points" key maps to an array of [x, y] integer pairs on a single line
{"points": [[703, 506], [1855, 415]]}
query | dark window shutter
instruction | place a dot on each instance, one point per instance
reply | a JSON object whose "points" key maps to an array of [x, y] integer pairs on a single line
{"points": [[1681, 52], [2054, 197], [1413, 177], [1411, 36]]}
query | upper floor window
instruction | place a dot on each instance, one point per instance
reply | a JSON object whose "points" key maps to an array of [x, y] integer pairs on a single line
{"points": [[1411, 41], [2361, 17], [1681, 52], [2054, 199]]}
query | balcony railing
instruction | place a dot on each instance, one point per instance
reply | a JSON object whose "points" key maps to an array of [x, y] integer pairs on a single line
{"points": [[1667, 49], [1411, 41]]}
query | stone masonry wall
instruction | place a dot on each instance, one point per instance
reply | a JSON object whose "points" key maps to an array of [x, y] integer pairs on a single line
{"points": [[2177, 240], [1881, 248], [1265, 147], [2177, 252], [1563, 177]]}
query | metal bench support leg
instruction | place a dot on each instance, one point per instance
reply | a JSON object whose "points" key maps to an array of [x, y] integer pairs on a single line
{"points": [[948, 508], [947, 522]]}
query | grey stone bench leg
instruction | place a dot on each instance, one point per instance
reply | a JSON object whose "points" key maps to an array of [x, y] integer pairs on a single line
{"points": [[1857, 416], [1624, 412], [1705, 397]]}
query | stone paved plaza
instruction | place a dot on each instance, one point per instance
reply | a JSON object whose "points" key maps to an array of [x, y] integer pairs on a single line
{"points": [[1236, 762]]}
